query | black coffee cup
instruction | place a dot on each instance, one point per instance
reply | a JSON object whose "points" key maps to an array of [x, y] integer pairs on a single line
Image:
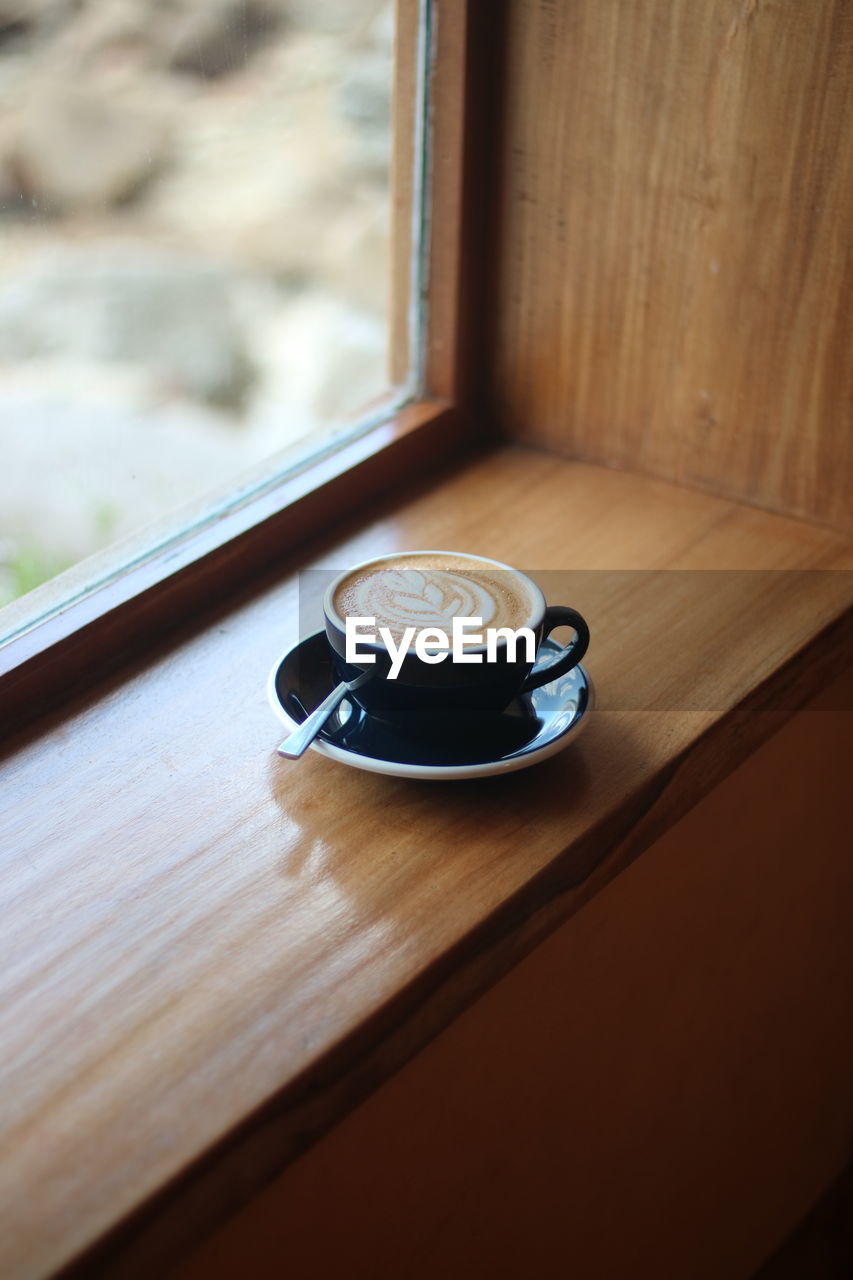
{"points": [[426, 691]]}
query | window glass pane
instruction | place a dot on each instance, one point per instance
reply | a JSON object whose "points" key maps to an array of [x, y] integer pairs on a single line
{"points": [[194, 253]]}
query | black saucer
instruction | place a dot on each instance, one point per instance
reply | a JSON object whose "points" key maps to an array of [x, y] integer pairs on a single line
{"points": [[534, 726]]}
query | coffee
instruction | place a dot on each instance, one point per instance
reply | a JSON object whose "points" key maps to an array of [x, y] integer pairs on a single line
{"points": [[429, 589], [405, 667]]}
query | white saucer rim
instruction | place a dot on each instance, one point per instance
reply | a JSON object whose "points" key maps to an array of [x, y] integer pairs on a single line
{"points": [[425, 772]]}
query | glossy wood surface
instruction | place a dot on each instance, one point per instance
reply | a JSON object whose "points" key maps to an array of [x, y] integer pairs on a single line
{"points": [[658, 1092], [676, 264], [210, 955]]}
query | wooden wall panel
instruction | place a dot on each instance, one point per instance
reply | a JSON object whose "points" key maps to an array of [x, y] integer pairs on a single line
{"points": [[676, 243], [658, 1092]]}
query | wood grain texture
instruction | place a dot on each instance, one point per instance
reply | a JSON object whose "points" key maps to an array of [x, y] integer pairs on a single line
{"points": [[210, 955], [676, 266], [658, 1092]]}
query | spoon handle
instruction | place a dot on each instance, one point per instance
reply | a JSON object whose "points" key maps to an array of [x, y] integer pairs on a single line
{"points": [[300, 740]]}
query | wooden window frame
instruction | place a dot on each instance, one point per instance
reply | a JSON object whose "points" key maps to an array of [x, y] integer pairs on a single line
{"points": [[192, 575]]}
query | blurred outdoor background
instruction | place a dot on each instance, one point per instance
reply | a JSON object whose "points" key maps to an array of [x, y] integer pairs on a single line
{"points": [[194, 225]]}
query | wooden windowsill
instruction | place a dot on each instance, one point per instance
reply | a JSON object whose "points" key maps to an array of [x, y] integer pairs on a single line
{"points": [[211, 955]]}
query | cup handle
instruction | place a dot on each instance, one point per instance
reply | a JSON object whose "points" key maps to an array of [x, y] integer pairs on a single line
{"points": [[559, 615]]}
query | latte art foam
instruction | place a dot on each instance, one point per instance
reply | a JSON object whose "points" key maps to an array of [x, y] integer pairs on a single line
{"points": [[430, 591]]}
